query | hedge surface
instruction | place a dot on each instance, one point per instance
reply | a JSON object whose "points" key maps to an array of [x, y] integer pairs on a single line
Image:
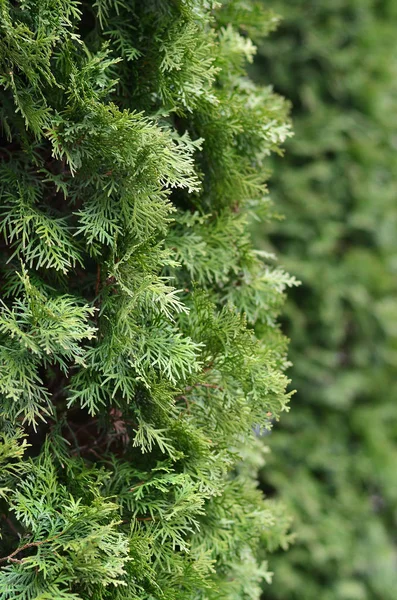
{"points": [[334, 456]]}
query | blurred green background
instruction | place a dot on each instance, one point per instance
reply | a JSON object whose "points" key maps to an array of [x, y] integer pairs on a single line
{"points": [[334, 456]]}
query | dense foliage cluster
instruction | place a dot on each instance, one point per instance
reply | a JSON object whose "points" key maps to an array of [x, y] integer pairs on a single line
{"points": [[133, 155], [334, 456]]}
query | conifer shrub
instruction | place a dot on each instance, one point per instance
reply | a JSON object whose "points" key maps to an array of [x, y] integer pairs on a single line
{"points": [[334, 456], [139, 339]]}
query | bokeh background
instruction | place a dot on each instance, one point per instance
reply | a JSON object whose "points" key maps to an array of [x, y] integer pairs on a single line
{"points": [[334, 456]]}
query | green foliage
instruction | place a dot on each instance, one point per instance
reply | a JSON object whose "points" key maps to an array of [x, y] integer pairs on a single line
{"points": [[333, 457], [133, 157]]}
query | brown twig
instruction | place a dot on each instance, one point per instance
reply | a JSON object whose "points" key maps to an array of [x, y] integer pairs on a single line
{"points": [[95, 453], [11, 558], [98, 280], [137, 486], [186, 402]]}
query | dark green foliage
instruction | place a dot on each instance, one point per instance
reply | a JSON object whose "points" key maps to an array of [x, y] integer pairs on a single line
{"points": [[334, 456], [133, 152]]}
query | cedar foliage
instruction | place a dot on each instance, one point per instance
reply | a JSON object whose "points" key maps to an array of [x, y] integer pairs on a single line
{"points": [[333, 457], [133, 153]]}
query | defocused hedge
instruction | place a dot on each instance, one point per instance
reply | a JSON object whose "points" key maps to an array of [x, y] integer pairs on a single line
{"points": [[334, 457]]}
